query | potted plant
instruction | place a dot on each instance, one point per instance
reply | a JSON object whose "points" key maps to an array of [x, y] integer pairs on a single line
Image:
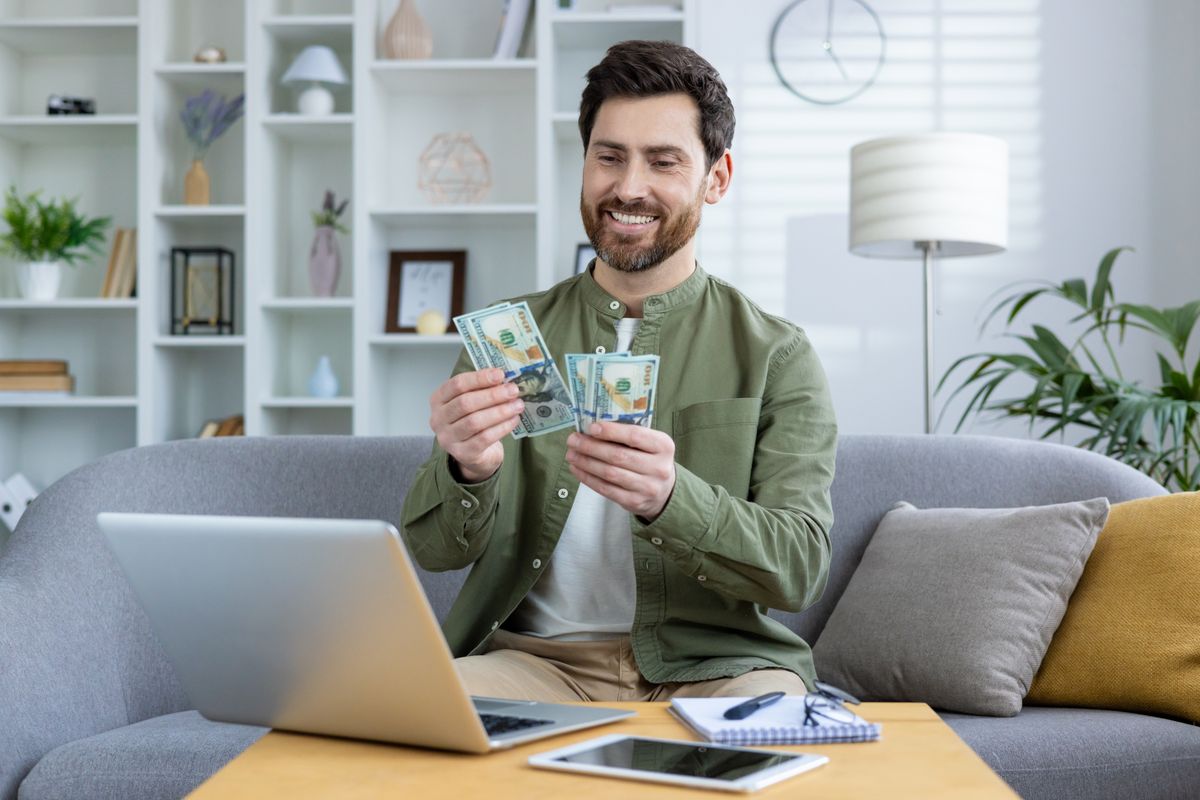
{"points": [[1153, 428], [44, 236], [205, 117], [324, 259]]}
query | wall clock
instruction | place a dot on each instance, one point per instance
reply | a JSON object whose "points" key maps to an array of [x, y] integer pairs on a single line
{"points": [[827, 51]]}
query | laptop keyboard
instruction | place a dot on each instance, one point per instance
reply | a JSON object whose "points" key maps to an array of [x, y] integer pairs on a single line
{"points": [[496, 724]]}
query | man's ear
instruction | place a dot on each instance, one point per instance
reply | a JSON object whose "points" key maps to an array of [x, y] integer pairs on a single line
{"points": [[718, 178]]}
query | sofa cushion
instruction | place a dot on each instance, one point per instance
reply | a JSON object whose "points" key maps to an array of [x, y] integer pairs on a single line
{"points": [[955, 607], [1069, 753], [162, 757], [1128, 640]]}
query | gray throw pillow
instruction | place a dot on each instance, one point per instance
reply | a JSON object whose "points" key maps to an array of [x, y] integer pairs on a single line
{"points": [[955, 607]]}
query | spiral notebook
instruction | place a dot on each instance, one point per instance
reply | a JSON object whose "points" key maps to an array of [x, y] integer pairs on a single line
{"points": [[781, 722]]}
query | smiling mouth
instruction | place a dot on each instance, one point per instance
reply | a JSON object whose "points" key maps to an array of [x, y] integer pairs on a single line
{"points": [[631, 219]]}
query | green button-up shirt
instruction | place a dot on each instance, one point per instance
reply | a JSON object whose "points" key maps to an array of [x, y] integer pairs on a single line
{"points": [[744, 398]]}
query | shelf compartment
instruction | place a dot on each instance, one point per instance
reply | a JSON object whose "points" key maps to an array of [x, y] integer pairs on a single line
{"points": [[289, 420], [59, 130], [99, 346], [295, 305], [402, 380], [226, 78], [580, 42], [70, 35], [47, 440], [301, 129], [9, 306], [193, 385], [301, 30], [292, 345], [455, 76], [200, 341]]}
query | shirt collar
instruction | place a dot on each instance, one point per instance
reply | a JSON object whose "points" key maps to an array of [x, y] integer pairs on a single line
{"points": [[606, 304]]}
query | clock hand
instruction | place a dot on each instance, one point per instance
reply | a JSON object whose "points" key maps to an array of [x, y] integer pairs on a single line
{"points": [[828, 26], [829, 49]]}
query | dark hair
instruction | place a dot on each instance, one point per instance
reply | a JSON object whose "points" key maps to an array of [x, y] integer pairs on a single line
{"points": [[647, 69]]}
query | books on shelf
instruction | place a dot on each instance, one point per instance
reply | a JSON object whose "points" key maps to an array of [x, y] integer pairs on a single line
{"points": [[512, 28], [32, 375], [121, 278], [234, 425], [779, 723]]}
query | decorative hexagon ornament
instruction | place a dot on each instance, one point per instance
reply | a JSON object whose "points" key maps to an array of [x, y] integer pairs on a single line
{"points": [[454, 170]]}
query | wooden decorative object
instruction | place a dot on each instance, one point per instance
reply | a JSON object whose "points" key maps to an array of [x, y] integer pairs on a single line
{"points": [[406, 34], [423, 281], [454, 170], [196, 185]]}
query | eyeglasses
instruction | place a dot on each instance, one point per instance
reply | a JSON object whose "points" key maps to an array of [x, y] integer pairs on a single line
{"points": [[825, 705]]}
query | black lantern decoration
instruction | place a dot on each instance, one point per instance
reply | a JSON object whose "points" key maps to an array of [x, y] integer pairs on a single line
{"points": [[202, 282]]}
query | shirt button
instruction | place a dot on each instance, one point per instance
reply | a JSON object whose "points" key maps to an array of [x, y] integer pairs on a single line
{"points": [[562, 494], [702, 578], [537, 563], [466, 503], [600, 349], [495, 624], [654, 540], [614, 305]]}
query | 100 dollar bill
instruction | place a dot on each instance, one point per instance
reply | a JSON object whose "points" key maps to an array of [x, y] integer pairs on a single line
{"points": [[622, 389], [506, 336]]}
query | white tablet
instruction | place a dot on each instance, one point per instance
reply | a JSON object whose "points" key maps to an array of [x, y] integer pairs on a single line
{"points": [[699, 764]]}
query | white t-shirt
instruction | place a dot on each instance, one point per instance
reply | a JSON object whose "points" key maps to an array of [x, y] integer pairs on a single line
{"points": [[587, 590]]}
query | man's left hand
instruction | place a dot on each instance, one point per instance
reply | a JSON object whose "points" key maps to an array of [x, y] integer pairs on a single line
{"points": [[630, 465]]}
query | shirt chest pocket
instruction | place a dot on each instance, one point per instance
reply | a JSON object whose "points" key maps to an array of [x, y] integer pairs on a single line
{"points": [[716, 441]]}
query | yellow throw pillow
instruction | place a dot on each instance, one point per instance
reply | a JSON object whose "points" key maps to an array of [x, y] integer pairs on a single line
{"points": [[1130, 639]]}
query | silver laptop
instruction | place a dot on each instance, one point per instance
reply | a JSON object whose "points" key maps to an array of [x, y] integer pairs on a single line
{"points": [[314, 625]]}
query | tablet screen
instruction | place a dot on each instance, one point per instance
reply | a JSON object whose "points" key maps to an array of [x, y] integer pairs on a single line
{"points": [[674, 758]]}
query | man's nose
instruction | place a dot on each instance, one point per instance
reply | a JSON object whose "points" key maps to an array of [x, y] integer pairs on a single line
{"points": [[633, 183]]}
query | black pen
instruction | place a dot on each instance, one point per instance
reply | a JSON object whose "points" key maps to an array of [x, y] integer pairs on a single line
{"points": [[743, 710]]}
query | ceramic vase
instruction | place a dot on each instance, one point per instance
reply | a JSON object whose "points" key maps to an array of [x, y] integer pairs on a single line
{"points": [[197, 187], [324, 262], [39, 280], [322, 382], [406, 34]]}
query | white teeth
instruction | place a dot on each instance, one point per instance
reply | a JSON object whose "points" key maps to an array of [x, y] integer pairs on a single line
{"points": [[629, 219]]}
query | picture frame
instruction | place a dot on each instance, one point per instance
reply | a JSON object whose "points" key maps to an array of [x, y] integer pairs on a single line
{"points": [[584, 253], [421, 280]]}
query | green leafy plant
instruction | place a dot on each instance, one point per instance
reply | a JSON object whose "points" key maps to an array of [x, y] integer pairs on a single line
{"points": [[1155, 429], [330, 212], [52, 231]]}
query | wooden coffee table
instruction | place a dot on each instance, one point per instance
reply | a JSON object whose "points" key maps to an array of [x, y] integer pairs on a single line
{"points": [[918, 756]]}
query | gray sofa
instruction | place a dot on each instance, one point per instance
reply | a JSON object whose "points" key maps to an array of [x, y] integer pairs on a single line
{"points": [[91, 708]]}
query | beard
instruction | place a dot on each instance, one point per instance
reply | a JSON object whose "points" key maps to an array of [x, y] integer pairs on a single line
{"points": [[622, 252]]}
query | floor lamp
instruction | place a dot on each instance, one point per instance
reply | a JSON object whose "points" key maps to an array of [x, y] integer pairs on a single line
{"points": [[929, 195]]}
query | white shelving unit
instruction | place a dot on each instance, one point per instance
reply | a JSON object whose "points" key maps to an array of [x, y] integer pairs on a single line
{"points": [[139, 384]]}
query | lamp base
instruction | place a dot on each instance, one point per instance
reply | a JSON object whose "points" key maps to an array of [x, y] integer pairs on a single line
{"points": [[316, 101]]}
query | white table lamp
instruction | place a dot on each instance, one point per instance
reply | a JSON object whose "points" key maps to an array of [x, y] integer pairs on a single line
{"points": [[922, 195], [316, 66]]}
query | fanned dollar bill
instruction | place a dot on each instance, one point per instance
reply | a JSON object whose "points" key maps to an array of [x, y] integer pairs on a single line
{"points": [[507, 336], [622, 389]]}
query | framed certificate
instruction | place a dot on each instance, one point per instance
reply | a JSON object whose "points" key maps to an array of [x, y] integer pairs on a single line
{"points": [[420, 281]]}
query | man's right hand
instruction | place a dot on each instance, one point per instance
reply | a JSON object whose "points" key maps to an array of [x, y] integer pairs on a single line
{"points": [[470, 414]]}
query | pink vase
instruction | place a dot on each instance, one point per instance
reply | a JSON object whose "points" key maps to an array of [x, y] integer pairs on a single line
{"points": [[324, 262]]}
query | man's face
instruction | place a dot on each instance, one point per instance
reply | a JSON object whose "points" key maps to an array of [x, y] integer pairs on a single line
{"points": [[644, 180]]}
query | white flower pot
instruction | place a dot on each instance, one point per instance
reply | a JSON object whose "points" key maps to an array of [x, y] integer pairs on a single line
{"points": [[39, 280]]}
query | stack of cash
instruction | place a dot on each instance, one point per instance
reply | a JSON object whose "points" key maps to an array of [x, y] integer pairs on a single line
{"points": [[507, 336], [615, 387]]}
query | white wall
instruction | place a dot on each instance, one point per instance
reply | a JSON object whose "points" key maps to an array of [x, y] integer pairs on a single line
{"points": [[1077, 88]]}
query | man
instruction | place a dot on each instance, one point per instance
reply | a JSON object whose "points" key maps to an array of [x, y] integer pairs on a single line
{"points": [[631, 563]]}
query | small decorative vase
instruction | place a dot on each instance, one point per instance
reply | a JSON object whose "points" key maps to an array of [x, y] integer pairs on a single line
{"points": [[39, 280], [406, 34], [196, 185], [324, 262], [323, 383]]}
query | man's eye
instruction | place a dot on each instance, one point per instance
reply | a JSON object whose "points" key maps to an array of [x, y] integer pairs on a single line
{"points": [[664, 164], [607, 159]]}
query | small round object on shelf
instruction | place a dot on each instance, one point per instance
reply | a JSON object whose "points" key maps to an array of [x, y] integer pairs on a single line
{"points": [[209, 54], [431, 323]]}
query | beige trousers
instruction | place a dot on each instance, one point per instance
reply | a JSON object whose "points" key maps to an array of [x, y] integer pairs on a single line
{"points": [[519, 667]]}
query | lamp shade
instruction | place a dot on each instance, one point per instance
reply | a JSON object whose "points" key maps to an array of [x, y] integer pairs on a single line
{"points": [[316, 64], [947, 188]]}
